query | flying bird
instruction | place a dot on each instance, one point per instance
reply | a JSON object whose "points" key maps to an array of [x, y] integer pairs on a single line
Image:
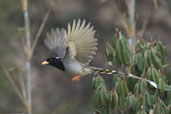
{"points": [[74, 50]]}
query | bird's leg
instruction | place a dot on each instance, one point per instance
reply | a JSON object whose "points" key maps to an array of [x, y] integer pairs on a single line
{"points": [[96, 73], [76, 78]]}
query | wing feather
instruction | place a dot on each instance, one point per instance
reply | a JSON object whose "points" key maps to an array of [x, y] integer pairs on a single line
{"points": [[56, 41], [81, 42]]}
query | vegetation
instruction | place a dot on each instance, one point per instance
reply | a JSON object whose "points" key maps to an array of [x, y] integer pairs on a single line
{"points": [[129, 96], [50, 91]]}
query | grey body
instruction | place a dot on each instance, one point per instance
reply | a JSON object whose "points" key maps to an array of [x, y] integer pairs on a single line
{"points": [[74, 68]]}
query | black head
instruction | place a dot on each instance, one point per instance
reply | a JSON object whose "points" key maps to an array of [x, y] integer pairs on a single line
{"points": [[56, 62]]}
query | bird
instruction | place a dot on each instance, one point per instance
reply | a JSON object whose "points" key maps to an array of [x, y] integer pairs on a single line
{"points": [[74, 49]]}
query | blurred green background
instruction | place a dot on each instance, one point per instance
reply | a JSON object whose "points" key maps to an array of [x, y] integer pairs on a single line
{"points": [[52, 90]]}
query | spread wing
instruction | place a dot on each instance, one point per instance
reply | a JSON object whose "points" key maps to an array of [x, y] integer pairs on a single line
{"points": [[81, 42], [77, 43], [56, 40]]}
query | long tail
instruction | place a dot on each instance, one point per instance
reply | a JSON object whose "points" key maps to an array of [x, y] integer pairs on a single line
{"points": [[108, 71]]}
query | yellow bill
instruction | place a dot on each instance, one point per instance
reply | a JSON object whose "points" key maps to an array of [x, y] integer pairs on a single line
{"points": [[45, 63]]}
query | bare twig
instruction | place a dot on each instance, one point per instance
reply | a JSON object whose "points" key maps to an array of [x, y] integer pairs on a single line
{"points": [[141, 32], [131, 10], [39, 32], [29, 49], [23, 88], [155, 3], [131, 23], [7, 74], [28, 86], [23, 100], [27, 45], [27, 24]]}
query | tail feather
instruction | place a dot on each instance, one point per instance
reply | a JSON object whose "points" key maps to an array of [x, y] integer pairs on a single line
{"points": [[108, 71]]}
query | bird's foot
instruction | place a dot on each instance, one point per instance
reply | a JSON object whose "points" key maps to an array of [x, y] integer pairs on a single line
{"points": [[96, 73], [76, 78]]}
